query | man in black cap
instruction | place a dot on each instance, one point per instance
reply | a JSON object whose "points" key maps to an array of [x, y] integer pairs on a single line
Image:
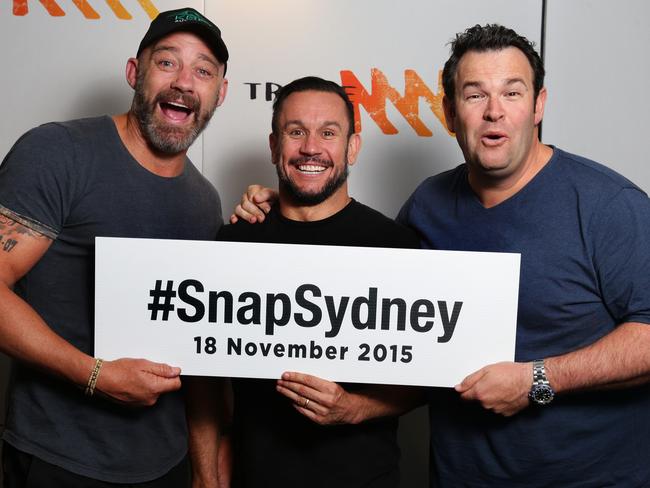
{"points": [[61, 185]]}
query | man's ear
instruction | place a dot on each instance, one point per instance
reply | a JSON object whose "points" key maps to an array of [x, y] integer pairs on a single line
{"points": [[450, 113], [223, 91], [132, 72], [354, 146], [540, 103], [273, 145]]}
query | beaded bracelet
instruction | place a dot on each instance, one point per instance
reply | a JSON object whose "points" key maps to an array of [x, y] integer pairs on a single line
{"points": [[92, 380]]}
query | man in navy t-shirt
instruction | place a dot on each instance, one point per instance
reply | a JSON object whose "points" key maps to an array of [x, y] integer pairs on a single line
{"points": [[572, 410]]}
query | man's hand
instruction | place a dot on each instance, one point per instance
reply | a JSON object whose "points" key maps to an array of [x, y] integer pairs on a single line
{"points": [[137, 382], [501, 387], [255, 204], [322, 401]]}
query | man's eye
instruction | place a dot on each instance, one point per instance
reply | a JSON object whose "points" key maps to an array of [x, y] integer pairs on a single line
{"points": [[204, 73], [296, 133], [166, 64], [328, 133]]}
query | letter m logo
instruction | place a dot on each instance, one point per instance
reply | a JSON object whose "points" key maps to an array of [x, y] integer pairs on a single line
{"points": [[374, 102]]}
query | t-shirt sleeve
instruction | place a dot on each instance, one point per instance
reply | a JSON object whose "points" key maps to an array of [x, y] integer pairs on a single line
{"points": [[621, 253], [35, 180]]}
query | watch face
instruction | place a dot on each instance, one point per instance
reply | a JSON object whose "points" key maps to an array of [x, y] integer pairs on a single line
{"points": [[541, 394]]}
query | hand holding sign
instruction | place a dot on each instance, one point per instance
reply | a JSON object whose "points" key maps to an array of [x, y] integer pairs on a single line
{"points": [[501, 387], [328, 403], [137, 382], [324, 402]]}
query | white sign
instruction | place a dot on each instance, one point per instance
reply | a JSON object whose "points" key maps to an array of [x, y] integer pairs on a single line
{"points": [[368, 315]]}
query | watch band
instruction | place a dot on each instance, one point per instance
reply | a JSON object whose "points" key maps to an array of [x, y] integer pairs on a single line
{"points": [[539, 373]]}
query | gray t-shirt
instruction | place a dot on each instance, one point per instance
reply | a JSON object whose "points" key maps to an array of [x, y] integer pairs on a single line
{"points": [[74, 181]]}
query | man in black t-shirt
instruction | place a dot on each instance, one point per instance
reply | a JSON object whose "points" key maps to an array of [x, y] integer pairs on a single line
{"points": [[303, 430]]}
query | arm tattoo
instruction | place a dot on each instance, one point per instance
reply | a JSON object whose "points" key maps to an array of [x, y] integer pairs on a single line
{"points": [[9, 229]]}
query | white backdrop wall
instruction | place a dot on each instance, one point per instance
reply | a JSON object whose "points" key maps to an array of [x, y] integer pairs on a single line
{"points": [[67, 63], [598, 74]]}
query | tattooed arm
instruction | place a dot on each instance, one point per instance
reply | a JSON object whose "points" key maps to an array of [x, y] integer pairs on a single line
{"points": [[26, 337]]}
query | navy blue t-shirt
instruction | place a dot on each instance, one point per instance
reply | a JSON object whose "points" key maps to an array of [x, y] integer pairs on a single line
{"points": [[583, 232]]}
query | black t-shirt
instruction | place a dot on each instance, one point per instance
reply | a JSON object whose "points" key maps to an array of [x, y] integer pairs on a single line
{"points": [[275, 446]]}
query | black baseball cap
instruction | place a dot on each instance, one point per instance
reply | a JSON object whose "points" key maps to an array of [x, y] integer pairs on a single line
{"points": [[189, 20]]}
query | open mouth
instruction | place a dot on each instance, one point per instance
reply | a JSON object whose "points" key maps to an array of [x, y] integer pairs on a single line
{"points": [[493, 138], [311, 165], [176, 111], [311, 168]]}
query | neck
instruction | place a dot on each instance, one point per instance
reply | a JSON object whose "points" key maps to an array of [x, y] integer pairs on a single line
{"points": [[166, 165], [311, 213], [492, 191]]}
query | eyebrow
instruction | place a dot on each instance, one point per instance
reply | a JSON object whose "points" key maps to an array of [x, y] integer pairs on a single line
{"points": [[327, 123], [508, 82], [174, 49]]}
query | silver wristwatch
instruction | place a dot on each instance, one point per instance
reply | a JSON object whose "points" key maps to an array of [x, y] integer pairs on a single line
{"points": [[541, 392]]}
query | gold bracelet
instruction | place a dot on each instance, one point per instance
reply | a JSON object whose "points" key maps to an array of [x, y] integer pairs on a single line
{"points": [[92, 380]]}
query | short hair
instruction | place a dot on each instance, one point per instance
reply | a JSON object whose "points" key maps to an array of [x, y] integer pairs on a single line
{"points": [[490, 37], [311, 83]]}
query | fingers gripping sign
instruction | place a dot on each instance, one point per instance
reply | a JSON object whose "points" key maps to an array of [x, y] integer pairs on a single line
{"points": [[137, 382], [322, 401]]}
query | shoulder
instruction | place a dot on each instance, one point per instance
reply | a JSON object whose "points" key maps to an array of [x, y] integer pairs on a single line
{"points": [[439, 185], [242, 231], [357, 210], [41, 149], [58, 140], [198, 180], [74, 131], [435, 194], [388, 232], [587, 175]]}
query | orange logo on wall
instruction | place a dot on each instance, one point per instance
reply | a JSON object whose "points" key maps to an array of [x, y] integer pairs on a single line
{"points": [[374, 102], [21, 8]]}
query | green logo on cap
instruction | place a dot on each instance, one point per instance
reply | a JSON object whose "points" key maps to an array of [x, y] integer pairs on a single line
{"points": [[189, 16]]}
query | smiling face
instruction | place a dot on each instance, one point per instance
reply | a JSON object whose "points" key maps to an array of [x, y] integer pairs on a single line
{"points": [[178, 85], [494, 112], [312, 149]]}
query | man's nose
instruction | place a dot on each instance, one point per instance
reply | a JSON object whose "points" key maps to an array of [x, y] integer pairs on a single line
{"points": [[493, 109], [184, 79], [310, 144]]}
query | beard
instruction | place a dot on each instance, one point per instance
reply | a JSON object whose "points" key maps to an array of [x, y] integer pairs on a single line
{"points": [[167, 138], [311, 198]]}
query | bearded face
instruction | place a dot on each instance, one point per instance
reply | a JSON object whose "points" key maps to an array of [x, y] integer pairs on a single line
{"points": [[170, 120], [306, 196]]}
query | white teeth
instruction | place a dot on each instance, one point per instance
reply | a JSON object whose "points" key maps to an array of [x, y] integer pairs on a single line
{"points": [[311, 168], [176, 104]]}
